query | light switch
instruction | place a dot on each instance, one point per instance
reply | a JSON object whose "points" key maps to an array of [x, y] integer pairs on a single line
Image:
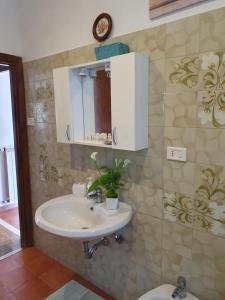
{"points": [[30, 122], [177, 153]]}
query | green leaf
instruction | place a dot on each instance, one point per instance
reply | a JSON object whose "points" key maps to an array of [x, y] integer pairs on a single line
{"points": [[94, 186]]}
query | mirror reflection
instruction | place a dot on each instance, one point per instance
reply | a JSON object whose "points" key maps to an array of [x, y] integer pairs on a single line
{"points": [[96, 101]]}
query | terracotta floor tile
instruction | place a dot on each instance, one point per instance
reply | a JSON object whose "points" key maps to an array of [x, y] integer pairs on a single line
{"points": [[26, 256], [15, 278], [57, 276], [35, 290], [40, 264], [32, 275]]}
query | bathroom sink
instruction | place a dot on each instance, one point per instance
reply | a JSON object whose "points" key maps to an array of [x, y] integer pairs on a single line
{"points": [[164, 292], [78, 218]]}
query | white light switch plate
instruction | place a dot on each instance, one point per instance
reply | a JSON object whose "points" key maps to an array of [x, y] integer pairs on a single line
{"points": [[177, 153]]}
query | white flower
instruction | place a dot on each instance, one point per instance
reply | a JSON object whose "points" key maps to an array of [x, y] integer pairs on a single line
{"points": [[218, 228], [209, 60], [220, 116], [218, 211], [126, 163], [93, 156], [205, 117]]}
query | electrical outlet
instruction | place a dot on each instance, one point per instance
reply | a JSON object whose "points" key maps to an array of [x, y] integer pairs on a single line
{"points": [[177, 153]]}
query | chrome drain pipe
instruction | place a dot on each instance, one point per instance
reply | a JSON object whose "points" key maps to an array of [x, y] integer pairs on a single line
{"points": [[89, 250]]}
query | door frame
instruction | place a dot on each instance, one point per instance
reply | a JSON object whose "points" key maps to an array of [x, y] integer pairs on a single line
{"points": [[21, 147]]}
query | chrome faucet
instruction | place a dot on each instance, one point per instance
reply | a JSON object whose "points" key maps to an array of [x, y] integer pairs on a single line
{"points": [[180, 290], [96, 196]]}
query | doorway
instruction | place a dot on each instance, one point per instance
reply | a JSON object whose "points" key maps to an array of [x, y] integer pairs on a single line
{"points": [[9, 214], [15, 197]]}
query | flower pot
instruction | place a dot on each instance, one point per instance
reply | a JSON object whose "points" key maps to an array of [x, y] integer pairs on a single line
{"points": [[112, 203]]}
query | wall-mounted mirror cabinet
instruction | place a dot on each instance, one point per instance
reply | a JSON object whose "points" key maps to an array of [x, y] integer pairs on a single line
{"points": [[104, 103]]}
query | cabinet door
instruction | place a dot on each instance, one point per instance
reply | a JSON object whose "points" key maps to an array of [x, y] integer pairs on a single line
{"points": [[129, 101], [63, 105]]}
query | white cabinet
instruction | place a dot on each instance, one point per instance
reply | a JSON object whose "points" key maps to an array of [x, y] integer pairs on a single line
{"points": [[75, 101], [129, 93], [63, 105]]}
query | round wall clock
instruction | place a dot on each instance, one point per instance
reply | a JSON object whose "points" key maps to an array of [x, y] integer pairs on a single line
{"points": [[102, 27]]}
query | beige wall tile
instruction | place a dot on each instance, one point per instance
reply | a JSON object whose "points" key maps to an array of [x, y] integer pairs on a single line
{"points": [[210, 146], [208, 266], [152, 42], [212, 30], [182, 37], [180, 109], [156, 110], [178, 177], [177, 238]]}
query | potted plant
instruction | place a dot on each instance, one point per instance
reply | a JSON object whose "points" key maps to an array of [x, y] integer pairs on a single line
{"points": [[109, 180]]}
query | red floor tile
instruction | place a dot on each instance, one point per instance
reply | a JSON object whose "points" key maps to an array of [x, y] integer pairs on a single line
{"points": [[27, 256], [40, 264], [35, 290], [32, 275], [57, 276], [15, 278]]}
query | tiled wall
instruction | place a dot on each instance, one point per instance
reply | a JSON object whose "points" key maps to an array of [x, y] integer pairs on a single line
{"points": [[179, 208]]}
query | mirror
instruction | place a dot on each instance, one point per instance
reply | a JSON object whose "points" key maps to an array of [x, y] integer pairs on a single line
{"points": [[96, 102]]}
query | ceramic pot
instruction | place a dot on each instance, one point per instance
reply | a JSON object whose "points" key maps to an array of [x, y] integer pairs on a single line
{"points": [[112, 203]]}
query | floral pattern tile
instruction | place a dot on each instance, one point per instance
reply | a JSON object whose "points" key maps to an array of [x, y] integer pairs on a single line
{"points": [[209, 201], [206, 73], [211, 100], [206, 211], [48, 172], [43, 90], [183, 73], [178, 208]]}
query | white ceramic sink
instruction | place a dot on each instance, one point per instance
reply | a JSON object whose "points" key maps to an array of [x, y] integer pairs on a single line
{"points": [[164, 292], [78, 218]]}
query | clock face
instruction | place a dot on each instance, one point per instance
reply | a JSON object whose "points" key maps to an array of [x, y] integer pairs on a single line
{"points": [[102, 27]]}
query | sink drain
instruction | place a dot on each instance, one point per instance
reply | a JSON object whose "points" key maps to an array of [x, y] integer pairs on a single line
{"points": [[84, 227]]}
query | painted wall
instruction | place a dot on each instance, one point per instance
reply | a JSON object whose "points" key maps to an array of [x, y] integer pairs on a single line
{"points": [[178, 225], [6, 128], [10, 30], [54, 26]]}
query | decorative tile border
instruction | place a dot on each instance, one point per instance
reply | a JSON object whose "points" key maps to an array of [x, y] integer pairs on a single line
{"points": [[186, 72], [47, 171], [208, 72], [209, 202], [207, 209]]}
